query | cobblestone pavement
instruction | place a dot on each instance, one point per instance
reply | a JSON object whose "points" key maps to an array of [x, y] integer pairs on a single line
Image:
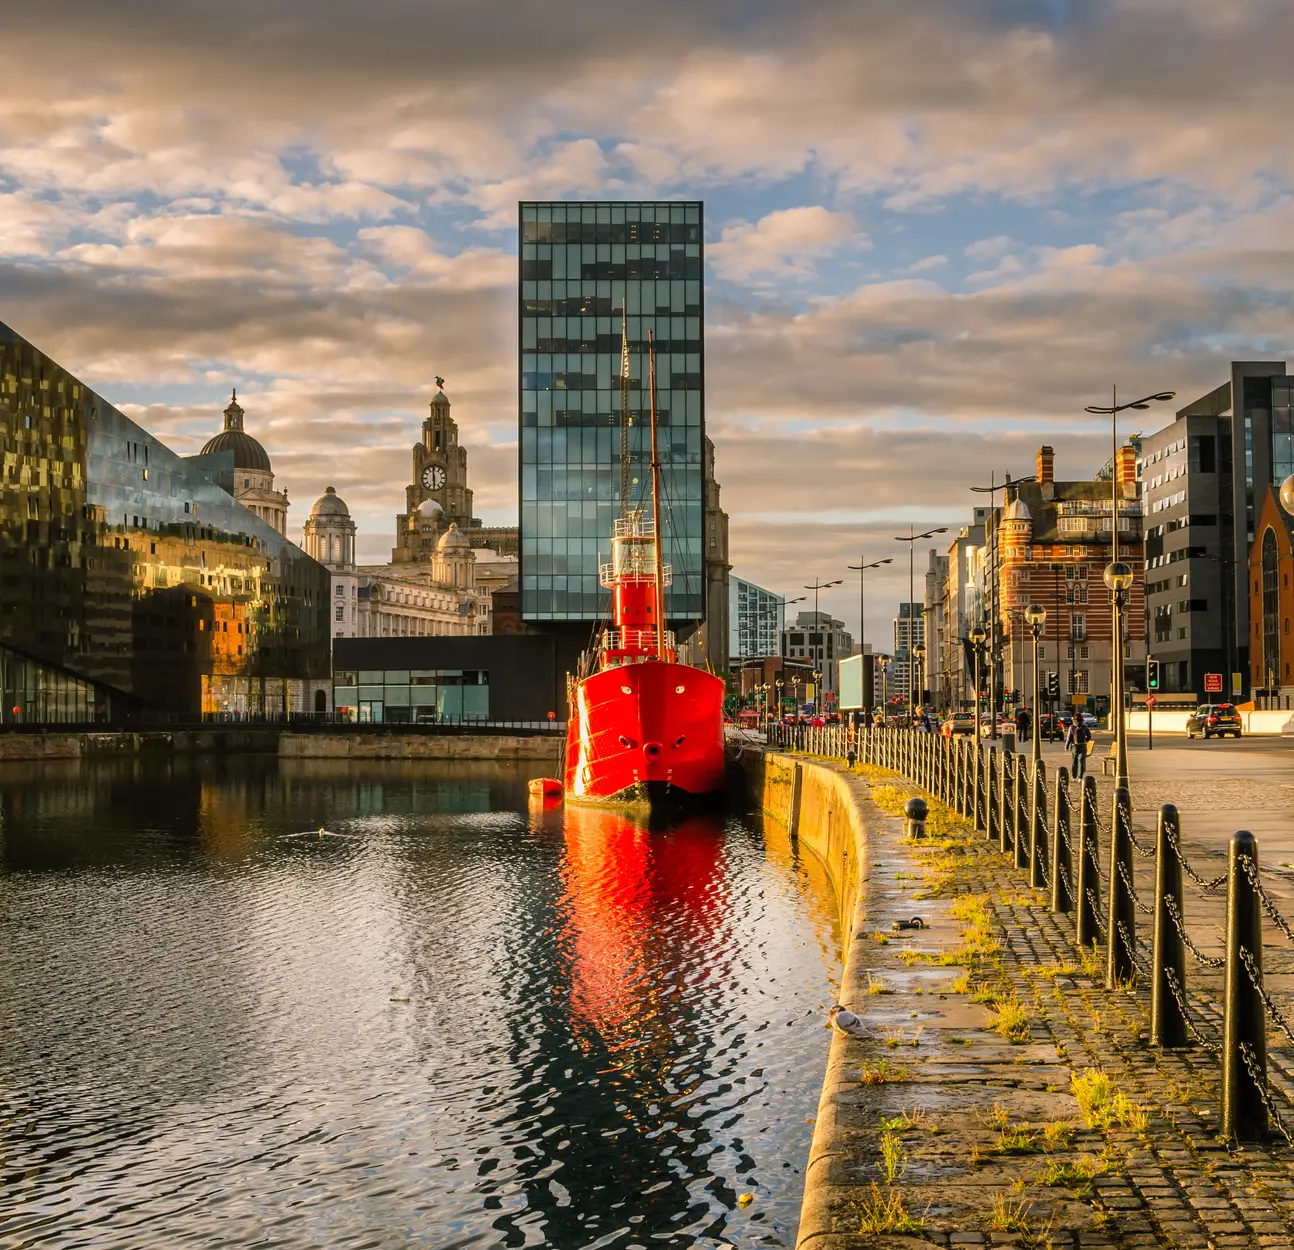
{"points": [[995, 1149]]}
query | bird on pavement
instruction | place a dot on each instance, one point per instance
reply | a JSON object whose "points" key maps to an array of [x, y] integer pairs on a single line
{"points": [[847, 1022]]}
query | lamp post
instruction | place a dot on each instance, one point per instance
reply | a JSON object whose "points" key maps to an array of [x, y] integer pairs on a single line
{"points": [[977, 636], [1036, 614], [994, 629], [1118, 577], [861, 570], [820, 651], [910, 537], [817, 692], [885, 685], [779, 683], [1112, 411], [915, 668]]}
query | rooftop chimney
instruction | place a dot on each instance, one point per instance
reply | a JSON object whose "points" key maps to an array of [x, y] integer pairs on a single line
{"points": [[1046, 464]]}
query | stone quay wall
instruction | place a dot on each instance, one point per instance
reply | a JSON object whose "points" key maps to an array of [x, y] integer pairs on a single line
{"points": [[342, 746], [71, 746]]}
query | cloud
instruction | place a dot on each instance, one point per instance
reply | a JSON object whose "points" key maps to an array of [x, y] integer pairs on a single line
{"points": [[783, 244]]}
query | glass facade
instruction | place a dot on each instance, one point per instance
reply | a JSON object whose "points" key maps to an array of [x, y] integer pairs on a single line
{"points": [[580, 265], [1282, 431], [417, 696], [124, 566]]}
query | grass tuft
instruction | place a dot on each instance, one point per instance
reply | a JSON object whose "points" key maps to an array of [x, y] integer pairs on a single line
{"points": [[882, 1211], [1103, 1106]]}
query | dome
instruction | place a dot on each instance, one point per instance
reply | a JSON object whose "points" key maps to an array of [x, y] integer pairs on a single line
{"points": [[453, 539], [1017, 510], [440, 400], [248, 453], [330, 504], [429, 508]]}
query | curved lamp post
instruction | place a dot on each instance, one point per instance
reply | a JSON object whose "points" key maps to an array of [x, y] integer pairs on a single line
{"points": [[861, 570], [911, 538], [1112, 410], [1035, 614], [1118, 577]]}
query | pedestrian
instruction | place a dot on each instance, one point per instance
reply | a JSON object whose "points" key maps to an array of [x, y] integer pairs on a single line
{"points": [[1022, 723], [922, 725], [1077, 736]]}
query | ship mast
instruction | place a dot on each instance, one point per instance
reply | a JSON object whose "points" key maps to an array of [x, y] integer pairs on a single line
{"points": [[655, 502], [624, 412]]}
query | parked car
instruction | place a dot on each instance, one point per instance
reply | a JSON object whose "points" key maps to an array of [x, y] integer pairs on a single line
{"points": [[958, 723], [1005, 725], [1214, 720]]}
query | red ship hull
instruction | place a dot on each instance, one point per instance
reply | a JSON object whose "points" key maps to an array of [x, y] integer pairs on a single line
{"points": [[648, 733]]}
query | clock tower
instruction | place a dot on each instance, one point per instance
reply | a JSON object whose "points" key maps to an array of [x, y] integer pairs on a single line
{"points": [[438, 495]]}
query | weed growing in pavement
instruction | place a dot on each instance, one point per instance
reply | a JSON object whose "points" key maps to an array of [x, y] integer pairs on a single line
{"points": [[882, 1073], [961, 983], [1007, 1216], [1092, 964], [893, 1158], [916, 1118], [883, 1212], [1057, 1135], [877, 986], [1012, 1020], [881, 939], [1103, 1106]]}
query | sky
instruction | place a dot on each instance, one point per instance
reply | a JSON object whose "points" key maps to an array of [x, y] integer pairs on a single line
{"points": [[935, 230]]}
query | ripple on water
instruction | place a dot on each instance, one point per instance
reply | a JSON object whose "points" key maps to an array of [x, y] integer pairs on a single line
{"points": [[450, 1025]]}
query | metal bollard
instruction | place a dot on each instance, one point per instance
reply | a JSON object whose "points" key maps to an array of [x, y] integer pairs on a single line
{"points": [[1121, 914], [1062, 859], [915, 811], [1167, 1023], [1006, 801], [1038, 828], [1020, 816], [990, 796], [977, 810], [1088, 883], [1244, 1112], [963, 778]]}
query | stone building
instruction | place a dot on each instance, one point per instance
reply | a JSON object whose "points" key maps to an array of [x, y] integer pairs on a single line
{"points": [[1271, 605], [438, 495], [253, 477]]}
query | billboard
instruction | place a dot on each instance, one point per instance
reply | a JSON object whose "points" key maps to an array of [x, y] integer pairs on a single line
{"points": [[851, 682]]}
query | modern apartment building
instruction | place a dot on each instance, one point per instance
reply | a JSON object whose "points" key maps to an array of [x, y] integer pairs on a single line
{"points": [[754, 620], [820, 639]]}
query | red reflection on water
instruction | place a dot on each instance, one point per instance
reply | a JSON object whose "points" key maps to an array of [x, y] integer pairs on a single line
{"points": [[637, 903]]}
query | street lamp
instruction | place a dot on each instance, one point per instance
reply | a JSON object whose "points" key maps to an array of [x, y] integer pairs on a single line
{"points": [[779, 684], [977, 636], [861, 570], [911, 538], [885, 684], [916, 685], [817, 692], [1118, 577], [1112, 411], [1036, 614], [820, 651]]}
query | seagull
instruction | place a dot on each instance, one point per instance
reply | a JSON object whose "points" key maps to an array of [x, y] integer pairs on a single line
{"points": [[846, 1022], [313, 833]]}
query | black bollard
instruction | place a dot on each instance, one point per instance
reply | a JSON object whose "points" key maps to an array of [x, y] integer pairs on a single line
{"points": [[990, 795], [1121, 914], [1038, 828], [1167, 1023], [1062, 859], [1088, 882], [1244, 1113], [1020, 816], [977, 810], [1006, 800]]}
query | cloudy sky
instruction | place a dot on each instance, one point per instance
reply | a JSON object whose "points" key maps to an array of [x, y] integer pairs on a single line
{"points": [[935, 228]]}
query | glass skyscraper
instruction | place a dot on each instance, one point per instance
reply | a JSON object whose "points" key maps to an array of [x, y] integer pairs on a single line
{"points": [[580, 265]]}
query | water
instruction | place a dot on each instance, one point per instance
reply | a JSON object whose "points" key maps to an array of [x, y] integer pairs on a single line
{"points": [[451, 1024]]}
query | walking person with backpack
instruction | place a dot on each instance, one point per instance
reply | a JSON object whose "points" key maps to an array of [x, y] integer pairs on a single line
{"points": [[1077, 736]]}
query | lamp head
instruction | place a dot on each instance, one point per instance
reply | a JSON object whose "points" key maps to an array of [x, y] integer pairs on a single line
{"points": [[977, 635], [1118, 576], [1287, 494], [1035, 614]]}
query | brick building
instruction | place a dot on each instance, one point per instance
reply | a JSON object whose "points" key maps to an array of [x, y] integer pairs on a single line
{"points": [[1271, 604], [1054, 539]]}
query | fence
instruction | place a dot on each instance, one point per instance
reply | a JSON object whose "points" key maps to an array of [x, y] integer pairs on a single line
{"points": [[1006, 798]]}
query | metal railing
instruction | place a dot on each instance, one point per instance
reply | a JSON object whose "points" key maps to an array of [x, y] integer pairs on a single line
{"points": [[1008, 801]]}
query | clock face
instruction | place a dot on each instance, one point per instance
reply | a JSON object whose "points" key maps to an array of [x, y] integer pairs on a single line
{"points": [[433, 477]]}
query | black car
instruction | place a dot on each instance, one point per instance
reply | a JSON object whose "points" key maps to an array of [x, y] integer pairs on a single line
{"points": [[1214, 720]]}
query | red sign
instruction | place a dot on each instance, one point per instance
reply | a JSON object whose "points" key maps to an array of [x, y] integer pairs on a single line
{"points": [[1212, 683], [1150, 700]]}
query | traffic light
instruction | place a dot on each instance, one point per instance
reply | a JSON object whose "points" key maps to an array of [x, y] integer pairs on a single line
{"points": [[1152, 674], [1053, 686]]}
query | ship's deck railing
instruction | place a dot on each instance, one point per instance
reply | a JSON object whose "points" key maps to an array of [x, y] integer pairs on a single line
{"points": [[634, 638], [643, 570], [633, 525]]}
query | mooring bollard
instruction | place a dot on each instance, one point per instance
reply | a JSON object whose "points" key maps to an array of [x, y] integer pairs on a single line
{"points": [[1088, 883], [1244, 1051], [1006, 800], [1168, 959], [1062, 860], [1038, 828], [1020, 816], [915, 811], [1121, 914]]}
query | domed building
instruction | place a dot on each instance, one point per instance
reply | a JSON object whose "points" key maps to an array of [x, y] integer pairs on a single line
{"points": [[329, 536], [253, 476]]}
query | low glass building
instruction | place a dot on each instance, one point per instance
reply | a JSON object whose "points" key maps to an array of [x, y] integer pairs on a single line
{"points": [[131, 583], [581, 264]]}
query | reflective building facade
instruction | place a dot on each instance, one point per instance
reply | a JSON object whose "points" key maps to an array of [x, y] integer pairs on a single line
{"points": [[580, 264], [130, 582]]}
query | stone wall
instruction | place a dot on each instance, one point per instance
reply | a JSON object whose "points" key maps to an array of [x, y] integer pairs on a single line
{"points": [[545, 748], [65, 746]]}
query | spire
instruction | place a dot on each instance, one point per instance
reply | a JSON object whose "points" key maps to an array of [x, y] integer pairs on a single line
{"points": [[233, 413]]}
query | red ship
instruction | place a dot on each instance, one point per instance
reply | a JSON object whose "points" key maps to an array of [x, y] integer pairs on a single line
{"points": [[642, 729]]}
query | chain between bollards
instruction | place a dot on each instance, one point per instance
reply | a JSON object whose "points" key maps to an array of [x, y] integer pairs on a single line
{"points": [[1168, 956]]}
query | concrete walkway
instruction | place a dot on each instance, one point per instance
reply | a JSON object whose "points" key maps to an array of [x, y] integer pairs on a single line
{"points": [[956, 1121]]}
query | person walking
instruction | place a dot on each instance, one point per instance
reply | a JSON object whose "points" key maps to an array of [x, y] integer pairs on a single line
{"points": [[1022, 723], [1077, 736]]}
